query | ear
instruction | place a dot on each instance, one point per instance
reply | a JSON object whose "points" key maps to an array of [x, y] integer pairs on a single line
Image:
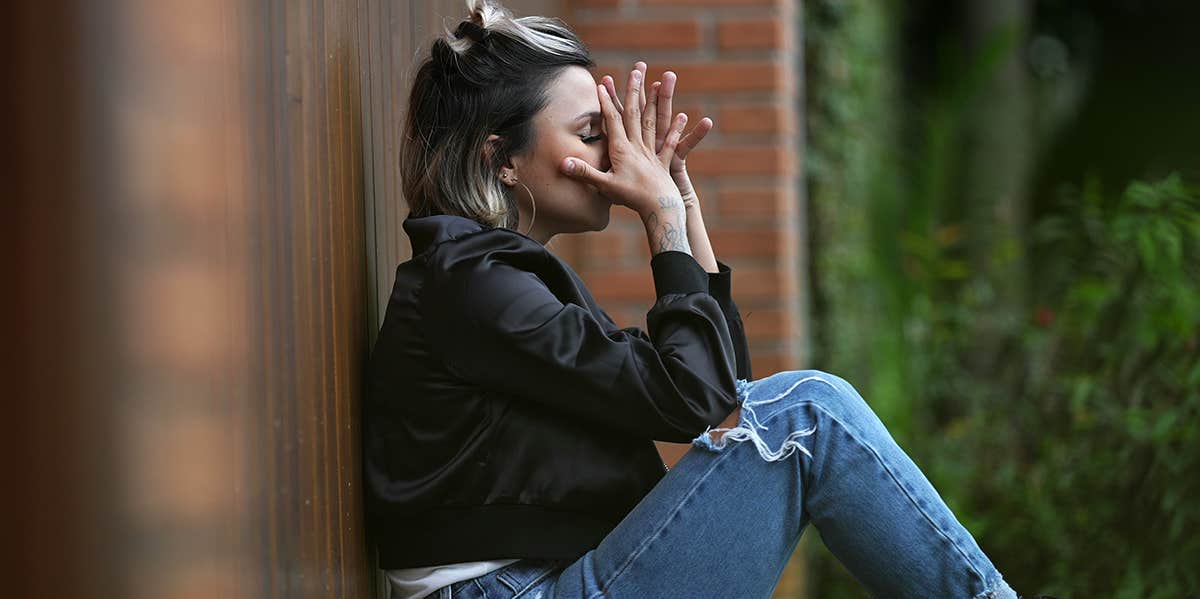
{"points": [[507, 171]]}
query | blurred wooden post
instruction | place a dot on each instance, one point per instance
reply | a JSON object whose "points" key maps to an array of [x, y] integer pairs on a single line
{"points": [[207, 202]]}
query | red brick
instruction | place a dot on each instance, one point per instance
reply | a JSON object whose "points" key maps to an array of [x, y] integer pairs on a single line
{"points": [[629, 315], [607, 247], [750, 243], [628, 284], [712, 2], [671, 453], [764, 363], [725, 76], [754, 285], [594, 3], [643, 249], [763, 202], [693, 111], [753, 118], [635, 35], [766, 324], [621, 216], [759, 33], [734, 160], [718, 76]]}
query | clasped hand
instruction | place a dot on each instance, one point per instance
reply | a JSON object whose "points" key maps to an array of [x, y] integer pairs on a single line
{"points": [[647, 148]]}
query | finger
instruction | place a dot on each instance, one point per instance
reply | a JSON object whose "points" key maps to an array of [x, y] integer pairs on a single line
{"points": [[641, 66], [608, 82], [666, 94], [580, 170], [612, 118], [672, 138], [633, 106], [649, 113], [688, 142]]}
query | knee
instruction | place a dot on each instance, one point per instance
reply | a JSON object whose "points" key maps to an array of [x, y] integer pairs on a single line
{"points": [[829, 391]]}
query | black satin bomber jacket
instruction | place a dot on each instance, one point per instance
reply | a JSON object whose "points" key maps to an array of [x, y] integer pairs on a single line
{"points": [[506, 414]]}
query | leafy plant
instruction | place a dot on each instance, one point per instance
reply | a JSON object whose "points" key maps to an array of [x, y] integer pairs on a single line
{"points": [[1072, 457]]}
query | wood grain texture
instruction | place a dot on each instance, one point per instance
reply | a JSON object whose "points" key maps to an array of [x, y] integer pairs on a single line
{"points": [[302, 93], [210, 205]]}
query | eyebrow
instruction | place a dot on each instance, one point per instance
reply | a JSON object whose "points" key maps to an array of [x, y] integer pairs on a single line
{"points": [[595, 114]]}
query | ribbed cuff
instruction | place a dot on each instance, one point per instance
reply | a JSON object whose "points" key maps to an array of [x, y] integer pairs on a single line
{"points": [[677, 272], [720, 284]]}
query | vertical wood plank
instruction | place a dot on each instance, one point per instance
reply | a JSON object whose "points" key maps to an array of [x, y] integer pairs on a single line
{"points": [[196, 365]]}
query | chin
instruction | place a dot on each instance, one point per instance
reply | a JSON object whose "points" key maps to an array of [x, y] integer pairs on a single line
{"points": [[604, 216]]}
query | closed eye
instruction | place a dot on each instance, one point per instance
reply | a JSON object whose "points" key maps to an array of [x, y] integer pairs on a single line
{"points": [[593, 139]]}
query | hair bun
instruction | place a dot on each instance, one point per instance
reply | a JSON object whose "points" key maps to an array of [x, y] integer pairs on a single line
{"points": [[472, 30]]}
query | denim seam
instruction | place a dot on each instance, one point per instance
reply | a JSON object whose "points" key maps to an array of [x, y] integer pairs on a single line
{"points": [[983, 580], [540, 577], [992, 589], [645, 544]]}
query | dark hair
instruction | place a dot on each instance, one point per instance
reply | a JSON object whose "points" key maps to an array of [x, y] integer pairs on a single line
{"points": [[490, 75]]}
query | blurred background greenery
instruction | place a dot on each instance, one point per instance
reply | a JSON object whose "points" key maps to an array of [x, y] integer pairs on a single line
{"points": [[1006, 252]]}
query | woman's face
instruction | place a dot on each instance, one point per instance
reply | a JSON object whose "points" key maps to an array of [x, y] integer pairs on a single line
{"points": [[569, 125]]}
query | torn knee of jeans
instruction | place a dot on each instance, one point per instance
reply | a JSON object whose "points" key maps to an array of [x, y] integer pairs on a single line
{"points": [[740, 433], [749, 426], [743, 389]]}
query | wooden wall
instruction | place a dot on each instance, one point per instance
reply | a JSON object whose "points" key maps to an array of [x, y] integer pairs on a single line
{"points": [[207, 224]]}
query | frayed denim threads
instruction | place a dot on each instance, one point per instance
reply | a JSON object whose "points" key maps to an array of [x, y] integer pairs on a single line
{"points": [[744, 430]]}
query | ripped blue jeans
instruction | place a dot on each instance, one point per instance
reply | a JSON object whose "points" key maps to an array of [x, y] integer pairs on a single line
{"points": [[725, 520]]}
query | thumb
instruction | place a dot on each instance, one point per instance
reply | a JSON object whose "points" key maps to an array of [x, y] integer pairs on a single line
{"points": [[578, 169]]}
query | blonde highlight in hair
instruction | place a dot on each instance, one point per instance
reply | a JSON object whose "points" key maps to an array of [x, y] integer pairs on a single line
{"points": [[489, 76]]}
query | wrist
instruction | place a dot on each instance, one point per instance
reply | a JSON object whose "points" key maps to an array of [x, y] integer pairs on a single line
{"points": [[666, 225], [663, 202], [683, 182]]}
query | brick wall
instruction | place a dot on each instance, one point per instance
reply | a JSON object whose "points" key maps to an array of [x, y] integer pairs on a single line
{"points": [[736, 61]]}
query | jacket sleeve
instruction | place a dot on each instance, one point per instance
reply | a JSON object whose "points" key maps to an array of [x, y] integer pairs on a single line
{"points": [[498, 325], [720, 287]]}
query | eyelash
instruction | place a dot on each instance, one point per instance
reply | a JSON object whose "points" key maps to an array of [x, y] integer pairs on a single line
{"points": [[593, 139]]}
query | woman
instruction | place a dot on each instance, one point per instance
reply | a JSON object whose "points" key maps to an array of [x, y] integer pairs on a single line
{"points": [[509, 423]]}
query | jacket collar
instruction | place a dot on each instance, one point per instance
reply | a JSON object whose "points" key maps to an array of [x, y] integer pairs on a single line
{"points": [[427, 231]]}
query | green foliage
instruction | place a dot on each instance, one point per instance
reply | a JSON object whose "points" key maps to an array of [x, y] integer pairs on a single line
{"points": [[1084, 483], [1067, 443]]}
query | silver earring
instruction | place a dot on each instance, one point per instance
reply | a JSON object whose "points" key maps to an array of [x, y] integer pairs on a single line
{"points": [[534, 204], [531, 200]]}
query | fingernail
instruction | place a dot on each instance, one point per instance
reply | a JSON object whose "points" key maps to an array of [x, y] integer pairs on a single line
{"points": [[570, 165]]}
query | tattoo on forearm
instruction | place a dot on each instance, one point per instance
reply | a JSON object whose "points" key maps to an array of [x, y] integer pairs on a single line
{"points": [[667, 226]]}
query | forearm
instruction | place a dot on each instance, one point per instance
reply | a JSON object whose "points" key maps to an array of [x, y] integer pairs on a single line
{"points": [[698, 238], [666, 226]]}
